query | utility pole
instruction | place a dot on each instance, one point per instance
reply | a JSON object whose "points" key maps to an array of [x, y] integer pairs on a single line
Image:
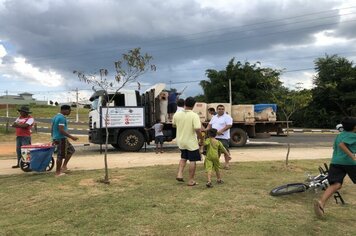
{"points": [[230, 95], [77, 104], [7, 112]]}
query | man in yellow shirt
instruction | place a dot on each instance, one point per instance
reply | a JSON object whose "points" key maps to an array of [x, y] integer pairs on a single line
{"points": [[188, 139]]}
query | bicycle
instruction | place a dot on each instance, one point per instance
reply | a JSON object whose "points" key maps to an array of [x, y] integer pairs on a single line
{"points": [[312, 183]]}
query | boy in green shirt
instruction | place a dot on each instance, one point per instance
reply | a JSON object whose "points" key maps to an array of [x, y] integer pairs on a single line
{"points": [[343, 162], [212, 163]]}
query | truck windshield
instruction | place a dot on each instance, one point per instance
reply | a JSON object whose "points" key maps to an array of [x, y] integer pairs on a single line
{"points": [[94, 104]]}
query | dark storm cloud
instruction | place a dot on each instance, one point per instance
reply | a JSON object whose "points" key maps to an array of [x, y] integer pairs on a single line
{"points": [[89, 35]]}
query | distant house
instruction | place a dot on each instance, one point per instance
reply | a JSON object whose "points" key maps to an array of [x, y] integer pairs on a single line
{"points": [[21, 99]]}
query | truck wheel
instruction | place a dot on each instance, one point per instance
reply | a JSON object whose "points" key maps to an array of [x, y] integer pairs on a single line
{"points": [[238, 137], [131, 140]]}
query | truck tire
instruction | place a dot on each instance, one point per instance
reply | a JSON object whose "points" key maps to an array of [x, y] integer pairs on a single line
{"points": [[131, 140], [238, 137]]}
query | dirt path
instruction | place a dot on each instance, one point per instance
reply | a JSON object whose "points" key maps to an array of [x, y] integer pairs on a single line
{"points": [[127, 160]]}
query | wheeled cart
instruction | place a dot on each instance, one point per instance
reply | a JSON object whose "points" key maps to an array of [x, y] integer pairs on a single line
{"points": [[38, 157]]}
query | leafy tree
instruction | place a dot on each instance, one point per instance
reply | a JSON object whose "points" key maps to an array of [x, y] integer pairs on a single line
{"points": [[334, 95], [128, 69], [248, 81]]}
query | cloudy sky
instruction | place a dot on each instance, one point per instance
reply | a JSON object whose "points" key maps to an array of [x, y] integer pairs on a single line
{"points": [[43, 41]]}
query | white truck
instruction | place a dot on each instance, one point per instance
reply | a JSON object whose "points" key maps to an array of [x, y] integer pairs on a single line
{"points": [[131, 112]]}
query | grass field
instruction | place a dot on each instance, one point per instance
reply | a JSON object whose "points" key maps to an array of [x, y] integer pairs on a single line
{"points": [[36, 137], [46, 111], [148, 201]]}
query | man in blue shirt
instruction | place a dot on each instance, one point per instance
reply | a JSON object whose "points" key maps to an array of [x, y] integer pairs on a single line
{"points": [[60, 137]]}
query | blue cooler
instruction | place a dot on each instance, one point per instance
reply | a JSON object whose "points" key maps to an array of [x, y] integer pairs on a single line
{"points": [[40, 158]]}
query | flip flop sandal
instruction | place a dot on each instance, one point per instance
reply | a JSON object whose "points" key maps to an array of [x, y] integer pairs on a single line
{"points": [[193, 184], [180, 179]]}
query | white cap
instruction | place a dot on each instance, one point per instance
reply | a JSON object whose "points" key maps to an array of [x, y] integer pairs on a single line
{"points": [[339, 127]]}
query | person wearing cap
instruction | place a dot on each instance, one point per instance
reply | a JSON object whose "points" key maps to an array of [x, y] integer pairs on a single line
{"points": [[23, 125]]}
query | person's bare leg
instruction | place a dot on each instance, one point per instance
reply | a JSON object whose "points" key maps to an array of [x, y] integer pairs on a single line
{"points": [[328, 193], [66, 160], [192, 167], [209, 175], [181, 167], [58, 166], [218, 175]]}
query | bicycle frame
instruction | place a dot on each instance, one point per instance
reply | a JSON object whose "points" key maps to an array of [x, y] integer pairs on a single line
{"points": [[313, 182]]}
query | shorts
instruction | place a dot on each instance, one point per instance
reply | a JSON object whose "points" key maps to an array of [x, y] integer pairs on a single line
{"points": [[159, 139], [337, 173], [64, 148], [172, 108], [190, 155], [225, 143], [212, 164]]}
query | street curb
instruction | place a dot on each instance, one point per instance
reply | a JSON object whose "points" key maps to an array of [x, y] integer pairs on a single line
{"points": [[312, 130]]}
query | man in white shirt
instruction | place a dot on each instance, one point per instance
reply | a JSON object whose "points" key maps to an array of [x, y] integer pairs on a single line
{"points": [[222, 122]]}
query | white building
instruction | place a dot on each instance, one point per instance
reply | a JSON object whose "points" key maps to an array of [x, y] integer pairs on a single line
{"points": [[21, 99]]}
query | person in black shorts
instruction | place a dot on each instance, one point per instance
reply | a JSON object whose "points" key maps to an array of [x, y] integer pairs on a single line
{"points": [[343, 163], [188, 139]]}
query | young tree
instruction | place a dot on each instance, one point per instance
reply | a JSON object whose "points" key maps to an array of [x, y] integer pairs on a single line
{"points": [[131, 66], [290, 101]]}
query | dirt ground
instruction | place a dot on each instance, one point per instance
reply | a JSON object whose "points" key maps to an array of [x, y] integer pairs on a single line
{"points": [[94, 160]]}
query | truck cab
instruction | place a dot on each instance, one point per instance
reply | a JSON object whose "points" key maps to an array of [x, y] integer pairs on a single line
{"points": [[126, 116]]}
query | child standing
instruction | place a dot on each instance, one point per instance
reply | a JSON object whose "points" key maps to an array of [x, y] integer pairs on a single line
{"points": [[159, 137], [343, 162], [213, 149]]}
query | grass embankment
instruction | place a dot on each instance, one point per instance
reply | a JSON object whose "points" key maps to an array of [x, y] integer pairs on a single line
{"points": [[35, 137], [148, 201], [47, 111]]}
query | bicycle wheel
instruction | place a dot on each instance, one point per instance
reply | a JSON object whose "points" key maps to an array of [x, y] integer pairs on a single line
{"points": [[289, 189]]}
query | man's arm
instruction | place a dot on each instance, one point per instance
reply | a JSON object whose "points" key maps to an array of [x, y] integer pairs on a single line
{"points": [[19, 125], [227, 127], [199, 136], [65, 133], [344, 148]]}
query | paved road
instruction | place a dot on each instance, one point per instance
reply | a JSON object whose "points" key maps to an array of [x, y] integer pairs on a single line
{"points": [[299, 140]]}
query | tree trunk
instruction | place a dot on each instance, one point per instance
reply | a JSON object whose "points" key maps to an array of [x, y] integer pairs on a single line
{"points": [[288, 144], [106, 178], [287, 156]]}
